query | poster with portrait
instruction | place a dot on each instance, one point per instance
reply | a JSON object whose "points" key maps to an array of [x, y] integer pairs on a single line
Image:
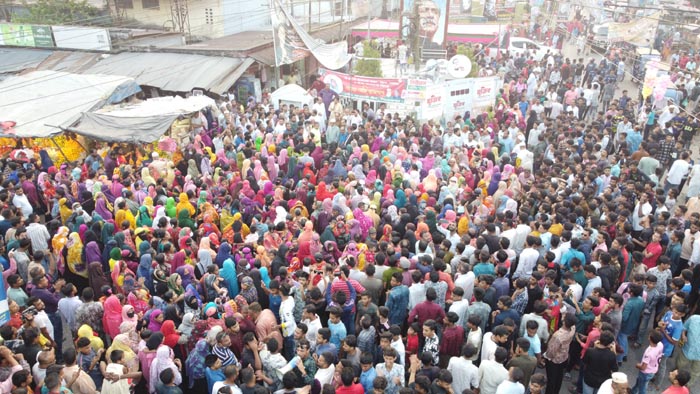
{"points": [[431, 22], [287, 44], [490, 10]]}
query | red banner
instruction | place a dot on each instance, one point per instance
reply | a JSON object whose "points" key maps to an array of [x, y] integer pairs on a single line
{"points": [[380, 89]]}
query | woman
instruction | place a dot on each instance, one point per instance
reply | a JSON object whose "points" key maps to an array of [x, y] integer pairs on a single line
{"points": [[128, 326], [77, 268], [175, 284], [228, 273], [148, 355], [155, 320], [144, 217], [121, 342], [170, 335], [557, 354], [112, 318], [163, 361], [205, 255], [184, 220], [194, 365]]}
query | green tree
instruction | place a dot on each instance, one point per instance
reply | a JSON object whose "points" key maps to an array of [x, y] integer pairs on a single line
{"points": [[469, 52], [55, 12], [369, 65]]}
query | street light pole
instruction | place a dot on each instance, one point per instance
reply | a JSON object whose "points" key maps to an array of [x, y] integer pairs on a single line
{"points": [[415, 28]]}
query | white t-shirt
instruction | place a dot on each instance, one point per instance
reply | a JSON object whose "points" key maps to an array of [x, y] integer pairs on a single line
{"points": [[218, 385], [465, 375], [488, 347]]}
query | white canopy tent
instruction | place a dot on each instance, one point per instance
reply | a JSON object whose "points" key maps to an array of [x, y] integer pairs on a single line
{"points": [[291, 94]]}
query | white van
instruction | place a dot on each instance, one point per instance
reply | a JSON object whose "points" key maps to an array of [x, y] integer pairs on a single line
{"points": [[519, 46]]}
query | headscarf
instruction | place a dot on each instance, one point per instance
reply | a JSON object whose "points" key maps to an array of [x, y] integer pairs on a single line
{"points": [[194, 364], [184, 219], [74, 259], [96, 276], [170, 207], [163, 361], [102, 207], [154, 325], [172, 284], [228, 272], [223, 254], [185, 204], [86, 331], [144, 217], [112, 317], [170, 335], [121, 342]]}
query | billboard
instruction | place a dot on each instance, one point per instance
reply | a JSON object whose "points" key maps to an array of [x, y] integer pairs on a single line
{"points": [[77, 37], [367, 88], [26, 35], [431, 23], [4, 304]]}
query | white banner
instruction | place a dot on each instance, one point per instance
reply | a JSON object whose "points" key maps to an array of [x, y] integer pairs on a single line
{"points": [[292, 42]]}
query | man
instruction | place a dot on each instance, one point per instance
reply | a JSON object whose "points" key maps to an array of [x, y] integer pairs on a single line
{"points": [[37, 233], [265, 323], [491, 342], [288, 325], [631, 316], [514, 382], [426, 310], [231, 373], [50, 297], [465, 374], [21, 201], [492, 372], [600, 363], [429, 22], [617, 384], [313, 324], [398, 298], [679, 379], [528, 257], [679, 170], [689, 356], [522, 360], [459, 306]]}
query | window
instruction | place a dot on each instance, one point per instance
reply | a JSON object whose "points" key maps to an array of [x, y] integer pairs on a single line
{"points": [[125, 4], [146, 4], [517, 44], [209, 16]]}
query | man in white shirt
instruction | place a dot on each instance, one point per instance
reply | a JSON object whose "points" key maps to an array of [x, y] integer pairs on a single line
{"points": [[288, 324], [465, 375], [231, 373], [37, 233], [528, 258], [416, 292], [575, 289], [313, 323], [460, 307], [679, 169], [521, 232], [491, 342], [492, 372], [642, 209], [21, 201]]}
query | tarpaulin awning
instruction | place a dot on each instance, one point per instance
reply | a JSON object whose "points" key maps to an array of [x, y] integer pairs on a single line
{"points": [[41, 99], [144, 122], [175, 72]]}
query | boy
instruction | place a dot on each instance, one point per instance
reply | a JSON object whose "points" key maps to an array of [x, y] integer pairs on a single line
{"points": [[323, 343], [650, 362], [88, 360], [535, 344], [368, 335], [671, 326], [475, 335], [432, 342], [368, 373], [335, 324]]}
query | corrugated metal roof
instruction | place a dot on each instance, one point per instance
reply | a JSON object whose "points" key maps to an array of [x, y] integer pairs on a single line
{"points": [[67, 61], [175, 72], [14, 60]]}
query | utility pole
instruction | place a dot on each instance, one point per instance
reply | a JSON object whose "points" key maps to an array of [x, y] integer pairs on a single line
{"points": [[415, 37]]}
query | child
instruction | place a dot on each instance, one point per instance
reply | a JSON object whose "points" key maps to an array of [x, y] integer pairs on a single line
{"points": [[368, 373], [671, 326], [535, 344], [22, 379], [117, 375], [335, 324], [687, 276], [432, 341], [412, 339], [367, 338], [538, 382], [650, 362], [214, 373], [88, 360], [384, 323]]}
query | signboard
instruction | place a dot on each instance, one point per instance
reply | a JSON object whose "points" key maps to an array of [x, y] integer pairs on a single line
{"points": [[78, 37], [415, 89], [432, 106], [26, 35], [458, 97], [367, 88], [484, 92], [432, 22], [459, 66]]}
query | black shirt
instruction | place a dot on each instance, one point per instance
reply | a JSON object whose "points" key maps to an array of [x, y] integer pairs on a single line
{"points": [[600, 364]]}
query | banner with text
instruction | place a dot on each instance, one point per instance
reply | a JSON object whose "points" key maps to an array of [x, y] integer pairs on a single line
{"points": [[26, 35], [380, 89]]}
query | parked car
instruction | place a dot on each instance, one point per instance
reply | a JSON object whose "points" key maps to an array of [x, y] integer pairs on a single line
{"points": [[519, 46]]}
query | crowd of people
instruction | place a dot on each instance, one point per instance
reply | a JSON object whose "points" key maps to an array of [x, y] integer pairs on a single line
{"points": [[331, 250]]}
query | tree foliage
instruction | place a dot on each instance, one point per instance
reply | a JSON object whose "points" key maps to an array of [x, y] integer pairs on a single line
{"points": [[55, 12], [369, 65], [469, 52]]}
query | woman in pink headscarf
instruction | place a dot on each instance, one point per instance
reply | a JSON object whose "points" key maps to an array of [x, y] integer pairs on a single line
{"points": [[112, 318], [365, 221], [246, 190], [308, 232]]}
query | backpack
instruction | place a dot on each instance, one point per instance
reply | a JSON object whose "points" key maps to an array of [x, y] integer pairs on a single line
{"points": [[349, 303]]}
